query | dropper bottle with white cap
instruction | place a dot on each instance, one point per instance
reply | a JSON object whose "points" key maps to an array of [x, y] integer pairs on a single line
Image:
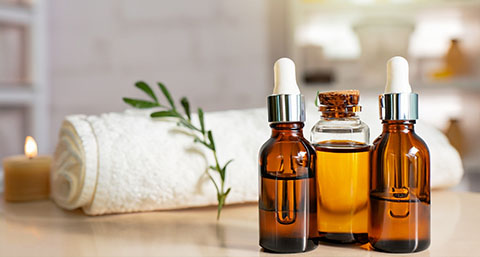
{"points": [[287, 207], [399, 214]]}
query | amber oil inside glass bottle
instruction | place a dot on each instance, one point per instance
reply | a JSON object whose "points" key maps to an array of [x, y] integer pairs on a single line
{"points": [[399, 190], [341, 142], [287, 190]]}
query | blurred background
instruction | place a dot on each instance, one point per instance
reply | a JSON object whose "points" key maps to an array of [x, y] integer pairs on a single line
{"points": [[80, 57]]}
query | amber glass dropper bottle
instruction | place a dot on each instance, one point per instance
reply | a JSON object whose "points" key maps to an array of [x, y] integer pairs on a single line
{"points": [[399, 206], [287, 179]]}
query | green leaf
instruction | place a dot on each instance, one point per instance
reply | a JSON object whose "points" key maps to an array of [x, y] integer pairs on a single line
{"points": [[160, 114], [317, 101], [146, 88], [210, 138], [209, 146], [228, 191], [186, 106], [224, 169], [138, 103], [187, 124], [200, 118], [226, 164], [167, 95], [213, 181]]}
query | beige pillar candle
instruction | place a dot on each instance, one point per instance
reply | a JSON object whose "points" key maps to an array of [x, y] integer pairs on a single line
{"points": [[26, 177]]}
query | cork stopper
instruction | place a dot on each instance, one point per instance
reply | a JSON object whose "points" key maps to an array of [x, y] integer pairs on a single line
{"points": [[339, 104], [339, 98]]}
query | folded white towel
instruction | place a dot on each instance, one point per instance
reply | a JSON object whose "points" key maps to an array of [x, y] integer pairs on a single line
{"points": [[126, 162]]}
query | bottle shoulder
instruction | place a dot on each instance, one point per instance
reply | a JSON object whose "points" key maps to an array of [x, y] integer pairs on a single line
{"points": [[411, 143], [287, 145], [346, 124], [340, 129], [419, 141], [420, 144]]}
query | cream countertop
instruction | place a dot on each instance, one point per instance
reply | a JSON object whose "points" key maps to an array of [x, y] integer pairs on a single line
{"points": [[42, 229]]}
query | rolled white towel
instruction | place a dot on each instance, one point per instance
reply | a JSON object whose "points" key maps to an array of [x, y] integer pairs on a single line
{"points": [[127, 162]]}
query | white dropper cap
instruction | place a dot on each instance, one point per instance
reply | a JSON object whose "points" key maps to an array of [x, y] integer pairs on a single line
{"points": [[397, 76], [398, 102], [286, 104], [285, 81]]}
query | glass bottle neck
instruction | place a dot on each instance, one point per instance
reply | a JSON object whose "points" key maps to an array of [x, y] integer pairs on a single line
{"points": [[402, 126], [339, 111], [291, 129], [339, 116]]}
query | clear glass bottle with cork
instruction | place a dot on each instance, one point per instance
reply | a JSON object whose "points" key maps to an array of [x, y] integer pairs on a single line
{"points": [[342, 167]]}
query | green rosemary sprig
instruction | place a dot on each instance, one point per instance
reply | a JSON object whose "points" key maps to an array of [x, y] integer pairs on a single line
{"points": [[199, 133]]}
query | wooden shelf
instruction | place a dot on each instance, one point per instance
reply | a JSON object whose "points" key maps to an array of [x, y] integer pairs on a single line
{"points": [[17, 95], [15, 14], [32, 95]]}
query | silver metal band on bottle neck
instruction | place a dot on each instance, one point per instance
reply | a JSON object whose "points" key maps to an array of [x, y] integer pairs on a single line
{"points": [[286, 108], [399, 106]]}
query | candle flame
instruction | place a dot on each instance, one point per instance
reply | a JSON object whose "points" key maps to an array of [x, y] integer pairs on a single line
{"points": [[30, 147]]}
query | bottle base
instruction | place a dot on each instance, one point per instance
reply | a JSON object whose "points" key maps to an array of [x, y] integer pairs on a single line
{"points": [[287, 245], [400, 246], [343, 238]]}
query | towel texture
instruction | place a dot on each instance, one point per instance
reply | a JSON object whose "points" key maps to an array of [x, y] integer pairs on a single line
{"points": [[127, 162]]}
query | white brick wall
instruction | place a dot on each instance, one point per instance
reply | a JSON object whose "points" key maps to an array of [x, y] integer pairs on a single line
{"points": [[213, 51]]}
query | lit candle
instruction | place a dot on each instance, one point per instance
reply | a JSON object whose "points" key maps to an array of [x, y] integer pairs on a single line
{"points": [[26, 177]]}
